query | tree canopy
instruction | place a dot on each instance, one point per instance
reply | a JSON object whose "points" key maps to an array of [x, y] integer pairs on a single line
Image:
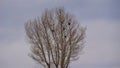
{"points": [[56, 38]]}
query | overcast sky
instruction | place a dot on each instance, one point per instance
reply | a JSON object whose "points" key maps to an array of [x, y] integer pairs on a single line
{"points": [[101, 17]]}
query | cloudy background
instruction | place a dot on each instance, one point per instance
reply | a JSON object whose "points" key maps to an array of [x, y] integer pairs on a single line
{"points": [[101, 17]]}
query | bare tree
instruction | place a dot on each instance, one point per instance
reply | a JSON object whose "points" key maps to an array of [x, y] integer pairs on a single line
{"points": [[56, 38]]}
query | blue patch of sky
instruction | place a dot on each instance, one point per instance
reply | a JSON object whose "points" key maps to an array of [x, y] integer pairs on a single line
{"points": [[14, 14]]}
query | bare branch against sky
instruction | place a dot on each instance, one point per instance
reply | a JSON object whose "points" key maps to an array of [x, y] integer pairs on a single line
{"points": [[101, 17], [56, 38]]}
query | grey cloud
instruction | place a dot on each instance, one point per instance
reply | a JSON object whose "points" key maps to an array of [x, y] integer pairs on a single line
{"points": [[102, 49]]}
